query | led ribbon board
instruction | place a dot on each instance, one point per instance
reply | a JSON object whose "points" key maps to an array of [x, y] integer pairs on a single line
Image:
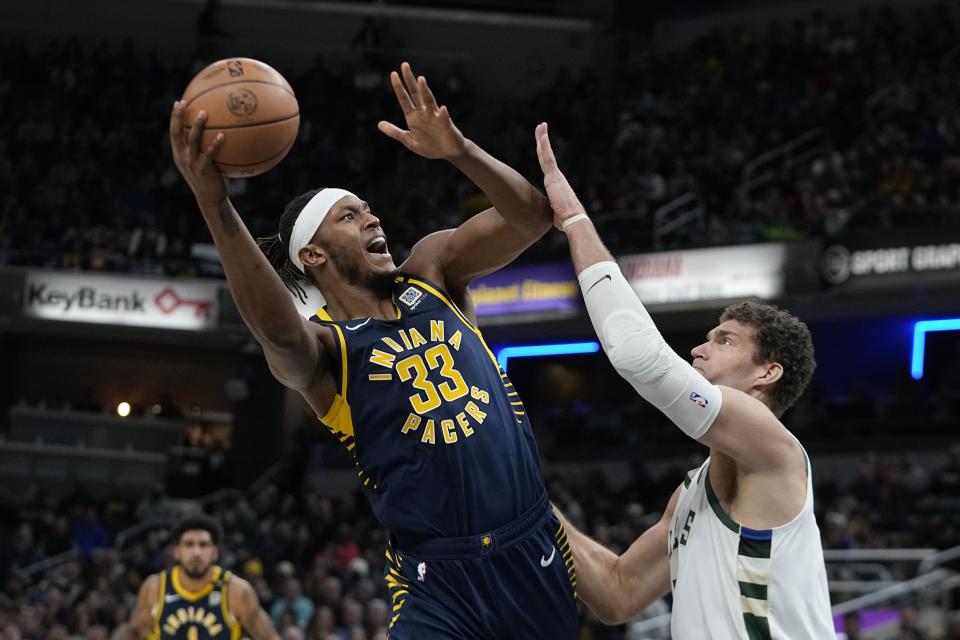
{"points": [[539, 350], [920, 331]]}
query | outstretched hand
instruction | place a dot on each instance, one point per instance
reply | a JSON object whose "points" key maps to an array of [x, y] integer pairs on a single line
{"points": [[196, 165], [430, 130], [562, 198]]}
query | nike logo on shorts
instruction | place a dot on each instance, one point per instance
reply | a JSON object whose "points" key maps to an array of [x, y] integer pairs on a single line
{"points": [[545, 561]]}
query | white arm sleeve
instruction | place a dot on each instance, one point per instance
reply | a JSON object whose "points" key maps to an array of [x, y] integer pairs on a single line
{"points": [[640, 354]]}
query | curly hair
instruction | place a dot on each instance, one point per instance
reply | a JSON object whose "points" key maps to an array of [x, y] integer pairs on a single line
{"points": [[197, 522], [275, 247], [783, 338]]}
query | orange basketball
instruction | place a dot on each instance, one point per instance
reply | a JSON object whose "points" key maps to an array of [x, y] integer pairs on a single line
{"points": [[255, 108]]}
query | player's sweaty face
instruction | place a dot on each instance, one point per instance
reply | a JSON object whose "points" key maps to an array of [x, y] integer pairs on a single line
{"points": [[727, 355], [355, 240], [196, 552]]}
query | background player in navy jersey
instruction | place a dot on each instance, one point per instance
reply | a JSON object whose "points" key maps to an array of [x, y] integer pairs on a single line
{"points": [[197, 599], [397, 370]]}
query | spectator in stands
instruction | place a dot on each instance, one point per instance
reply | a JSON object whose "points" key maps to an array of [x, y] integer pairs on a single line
{"points": [[668, 126], [88, 532], [953, 626], [910, 626], [292, 601]]}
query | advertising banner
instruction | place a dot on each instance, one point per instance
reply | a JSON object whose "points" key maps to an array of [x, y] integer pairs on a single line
{"points": [[716, 273], [118, 300], [533, 289], [891, 259]]}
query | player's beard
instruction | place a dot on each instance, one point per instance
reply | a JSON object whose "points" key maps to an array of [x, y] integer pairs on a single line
{"points": [[351, 273], [195, 574]]}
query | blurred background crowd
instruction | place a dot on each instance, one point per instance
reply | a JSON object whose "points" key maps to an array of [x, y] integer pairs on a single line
{"points": [[316, 562], [875, 92]]}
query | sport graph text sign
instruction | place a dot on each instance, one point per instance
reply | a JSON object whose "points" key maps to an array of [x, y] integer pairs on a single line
{"points": [[841, 263], [101, 299]]}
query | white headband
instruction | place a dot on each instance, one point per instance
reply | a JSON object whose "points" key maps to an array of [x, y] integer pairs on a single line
{"points": [[309, 221]]}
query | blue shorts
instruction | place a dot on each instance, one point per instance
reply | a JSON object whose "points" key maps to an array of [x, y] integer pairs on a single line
{"points": [[515, 582]]}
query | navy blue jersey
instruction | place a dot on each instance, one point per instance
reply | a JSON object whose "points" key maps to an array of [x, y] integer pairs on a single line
{"points": [[441, 439], [181, 614]]}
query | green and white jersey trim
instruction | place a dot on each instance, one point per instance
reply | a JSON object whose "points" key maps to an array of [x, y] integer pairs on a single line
{"points": [[731, 582]]}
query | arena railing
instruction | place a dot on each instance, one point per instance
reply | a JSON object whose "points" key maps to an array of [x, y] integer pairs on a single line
{"points": [[940, 581], [684, 211], [783, 160], [930, 578], [33, 571], [941, 557], [146, 526]]}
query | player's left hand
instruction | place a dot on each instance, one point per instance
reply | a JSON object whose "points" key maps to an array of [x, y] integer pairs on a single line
{"points": [[562, 197], [430, 131]]}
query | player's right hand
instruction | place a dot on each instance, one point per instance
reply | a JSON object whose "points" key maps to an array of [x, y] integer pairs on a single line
{"points": [[196, 166], [562, 198]]}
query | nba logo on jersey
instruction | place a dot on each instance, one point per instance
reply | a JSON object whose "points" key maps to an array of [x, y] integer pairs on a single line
{"points": [[699, 400], [422, 571], [214, 599], [411, 297]]}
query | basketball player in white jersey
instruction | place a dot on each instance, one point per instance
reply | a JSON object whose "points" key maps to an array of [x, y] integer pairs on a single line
{"points": [[738, 542]]}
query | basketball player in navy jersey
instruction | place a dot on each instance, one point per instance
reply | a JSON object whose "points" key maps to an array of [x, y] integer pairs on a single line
{"points": [[395, 367], [197, 599]]}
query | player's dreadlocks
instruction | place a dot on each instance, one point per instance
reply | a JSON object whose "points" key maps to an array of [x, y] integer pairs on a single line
{"points": [[276, 247]]}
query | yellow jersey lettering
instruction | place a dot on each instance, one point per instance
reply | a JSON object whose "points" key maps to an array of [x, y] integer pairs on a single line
{"points": [[449, 431], [412, 423], [390, 342], [193, 616], [416, 338], [192, 634], [479, 394], [429, 435], [474, 411], [459, 388], [382, 358], [464, 424], [436, 331], [406, 340], [455, 340], [414, 367]]}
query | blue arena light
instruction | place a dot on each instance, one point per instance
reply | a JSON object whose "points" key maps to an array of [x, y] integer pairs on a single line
{"points": [[920, 331], [539, 350]]}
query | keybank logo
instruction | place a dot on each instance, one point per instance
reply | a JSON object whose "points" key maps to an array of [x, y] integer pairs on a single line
{"points": [[103, 299], [40, 294]]}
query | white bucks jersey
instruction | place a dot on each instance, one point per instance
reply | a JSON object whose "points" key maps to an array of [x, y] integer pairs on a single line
{"points": [[731, 582]]}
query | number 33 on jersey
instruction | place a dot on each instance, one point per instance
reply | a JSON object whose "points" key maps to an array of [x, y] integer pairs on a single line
{"points": [[422, 400]]}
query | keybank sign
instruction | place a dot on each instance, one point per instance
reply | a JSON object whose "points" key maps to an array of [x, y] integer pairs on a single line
{"points": [[141, 302], [40, 294]]}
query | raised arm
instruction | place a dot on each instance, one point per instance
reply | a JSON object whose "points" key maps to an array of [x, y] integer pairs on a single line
{"points": [[617, 588], [245, 606], [721, 417], [291, 345], [491, 239]]}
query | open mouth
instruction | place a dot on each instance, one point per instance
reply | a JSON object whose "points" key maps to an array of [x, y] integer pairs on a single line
{"points": [[377, 246]]}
